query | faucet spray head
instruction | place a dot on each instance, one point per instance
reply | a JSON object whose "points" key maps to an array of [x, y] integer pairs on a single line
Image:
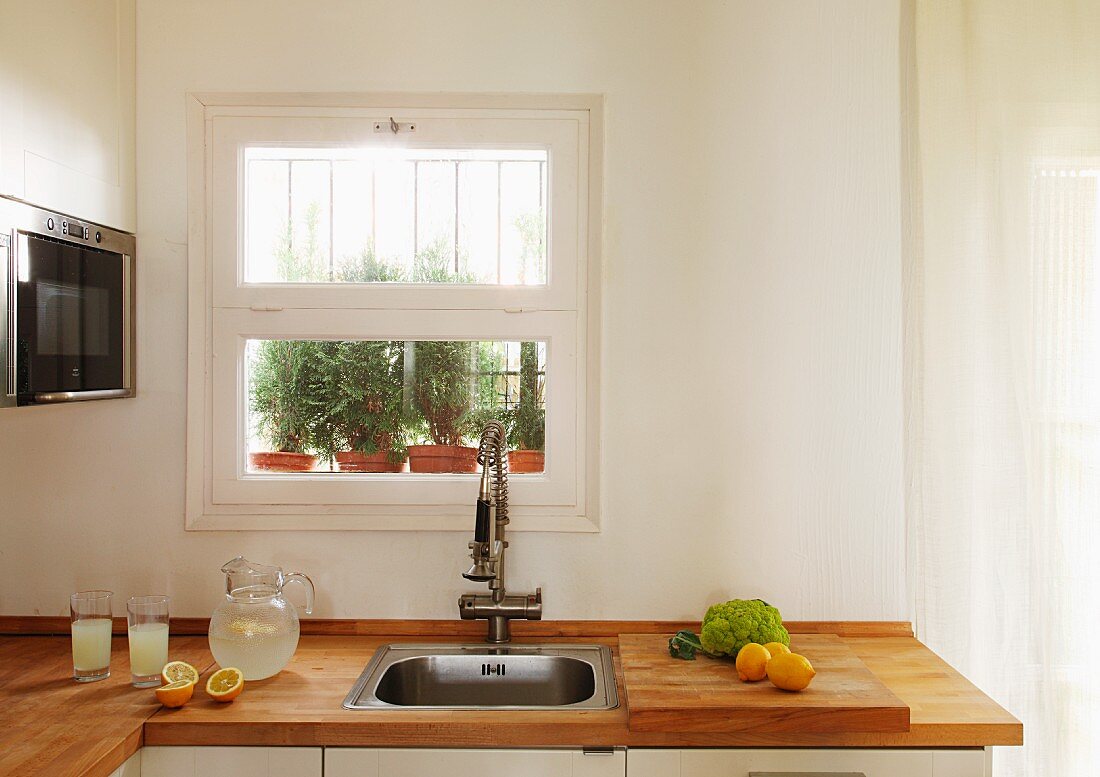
{"points": [[484, 566], [479, 571]]}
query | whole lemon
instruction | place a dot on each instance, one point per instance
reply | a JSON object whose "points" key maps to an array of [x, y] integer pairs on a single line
{"points": [[752, 662], [790, 671], [775, 648]]}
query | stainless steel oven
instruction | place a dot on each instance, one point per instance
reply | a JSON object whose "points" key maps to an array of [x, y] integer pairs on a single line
{"points": [[68, 307]]}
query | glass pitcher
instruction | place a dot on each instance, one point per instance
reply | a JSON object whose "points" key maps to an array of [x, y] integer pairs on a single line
{"points": [[256, 629]]}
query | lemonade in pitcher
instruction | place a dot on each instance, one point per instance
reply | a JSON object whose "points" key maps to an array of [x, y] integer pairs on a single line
{"points": [[258, 649], [256, 629]]}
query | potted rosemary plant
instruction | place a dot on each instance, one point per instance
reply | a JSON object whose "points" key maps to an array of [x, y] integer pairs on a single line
{"points": [[441, 395], [527, 420], [367, 408], [286, 394]]}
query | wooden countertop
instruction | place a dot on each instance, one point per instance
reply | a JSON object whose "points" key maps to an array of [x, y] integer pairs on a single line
{"points": [[706, 696], [49, 724]]}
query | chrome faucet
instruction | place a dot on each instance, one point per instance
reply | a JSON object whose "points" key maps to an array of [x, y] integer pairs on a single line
{"points": [[488, 547]]}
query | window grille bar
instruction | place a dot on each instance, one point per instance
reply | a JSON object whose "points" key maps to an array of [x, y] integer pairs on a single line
{"points": [[456, 215], [416, 208], [499, 174], [331, 224], [290, 203]]}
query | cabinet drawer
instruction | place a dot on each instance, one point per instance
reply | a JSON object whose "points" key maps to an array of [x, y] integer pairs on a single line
{"points": [[384, 762], [231, 762], [809, 763]]}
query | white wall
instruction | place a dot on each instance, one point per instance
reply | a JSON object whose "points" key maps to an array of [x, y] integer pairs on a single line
{"points": [[752, 423]]}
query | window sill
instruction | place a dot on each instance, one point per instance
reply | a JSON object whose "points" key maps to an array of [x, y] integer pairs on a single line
{"points": [[334, 521]]}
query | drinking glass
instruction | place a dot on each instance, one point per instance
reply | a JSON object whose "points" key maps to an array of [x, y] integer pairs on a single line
{"points": [[90, 613], [147, 621]]}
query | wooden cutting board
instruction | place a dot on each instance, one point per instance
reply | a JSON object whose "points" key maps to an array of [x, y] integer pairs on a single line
{"points": [[704, 695]]}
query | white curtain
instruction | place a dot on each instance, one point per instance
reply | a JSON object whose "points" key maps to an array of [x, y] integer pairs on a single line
{"points": [[1003, 362]]}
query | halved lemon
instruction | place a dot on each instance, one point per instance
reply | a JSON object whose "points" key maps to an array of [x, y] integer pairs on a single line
{"points": [[225, 684], [175, 694], [179, 670]]}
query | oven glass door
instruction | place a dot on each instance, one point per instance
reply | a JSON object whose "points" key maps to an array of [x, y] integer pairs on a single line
{"points": [[69, 325]]}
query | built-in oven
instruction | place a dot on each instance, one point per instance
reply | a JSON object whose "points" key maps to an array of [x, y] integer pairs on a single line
{"points": [[68, 307]]}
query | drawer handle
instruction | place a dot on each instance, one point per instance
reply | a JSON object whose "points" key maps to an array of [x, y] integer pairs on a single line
{"points": [[598, 751]]}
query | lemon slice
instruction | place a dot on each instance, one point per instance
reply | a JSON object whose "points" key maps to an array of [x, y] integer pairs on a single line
{"points": [[225, 684], [179, 670], [175, 694]]}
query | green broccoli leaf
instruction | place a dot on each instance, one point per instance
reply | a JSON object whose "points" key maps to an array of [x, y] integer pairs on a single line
{"points": [[684, 644]]}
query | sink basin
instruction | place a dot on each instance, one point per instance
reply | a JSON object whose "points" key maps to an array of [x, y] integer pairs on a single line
{"points": [[481, 677]]}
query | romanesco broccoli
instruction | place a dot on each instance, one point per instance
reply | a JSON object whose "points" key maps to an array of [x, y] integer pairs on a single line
{"points": [[730, 626]]}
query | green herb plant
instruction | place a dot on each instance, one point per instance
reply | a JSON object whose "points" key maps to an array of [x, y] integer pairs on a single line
{"points": [[366, 405], [527, 427], [287, 394]]}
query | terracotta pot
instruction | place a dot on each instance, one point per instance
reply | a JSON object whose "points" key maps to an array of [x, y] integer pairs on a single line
{"points": [[526, 461], [442, 458], [282, 461], [354, 461]]}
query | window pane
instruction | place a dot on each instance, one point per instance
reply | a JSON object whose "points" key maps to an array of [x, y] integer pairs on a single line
{"points": [[392, 406], [523, 229], [368, 215], [479, 218], [267, 211], [352, 207]]}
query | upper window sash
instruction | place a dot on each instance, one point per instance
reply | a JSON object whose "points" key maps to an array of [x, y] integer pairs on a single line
{"points": [[566, 193]]}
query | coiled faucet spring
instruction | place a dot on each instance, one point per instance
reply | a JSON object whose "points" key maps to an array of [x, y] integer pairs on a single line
{"points": [[493, 453]]}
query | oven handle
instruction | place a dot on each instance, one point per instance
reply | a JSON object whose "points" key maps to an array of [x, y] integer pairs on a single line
{"points": [[81, 396], [7, 274]]}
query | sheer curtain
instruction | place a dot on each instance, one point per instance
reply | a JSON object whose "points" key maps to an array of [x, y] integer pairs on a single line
{"points": [[1003, 362]]}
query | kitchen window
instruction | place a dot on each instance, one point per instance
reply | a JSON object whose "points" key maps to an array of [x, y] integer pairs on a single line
{"points": [[374, 278]]}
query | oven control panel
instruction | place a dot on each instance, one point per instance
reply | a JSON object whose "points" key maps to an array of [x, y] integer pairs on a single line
{"points": [[73, 230]]}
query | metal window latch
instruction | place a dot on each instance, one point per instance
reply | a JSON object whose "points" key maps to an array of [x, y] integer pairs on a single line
{"points": [[395, 127]]}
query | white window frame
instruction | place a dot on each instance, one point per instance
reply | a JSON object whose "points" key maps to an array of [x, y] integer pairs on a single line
{"points": [[225, 312]]}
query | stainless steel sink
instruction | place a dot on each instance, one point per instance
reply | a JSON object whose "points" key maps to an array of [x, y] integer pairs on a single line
{"points": [[480, 677]]}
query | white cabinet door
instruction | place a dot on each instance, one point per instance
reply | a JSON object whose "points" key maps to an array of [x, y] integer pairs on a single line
{"points": [[231, 762], [373, 762], [132, 767], [841, 761], [67, 86]]}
